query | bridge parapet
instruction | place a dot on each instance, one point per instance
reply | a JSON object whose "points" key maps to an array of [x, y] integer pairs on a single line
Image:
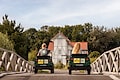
{"points": [[10, 61], [109, 61]]}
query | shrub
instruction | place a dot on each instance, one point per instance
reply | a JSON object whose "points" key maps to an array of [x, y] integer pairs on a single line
{"points": [[59, 65], [94, 55]]}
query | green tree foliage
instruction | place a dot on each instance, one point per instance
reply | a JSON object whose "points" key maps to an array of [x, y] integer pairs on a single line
{"points": [[20, 44], [87, 28], [99, 38], [77, 33], [53, 30], [42, 37], [15, 34], [9, 27], [116, 39], [67, 30], [31, 37], [5, 42], [32, 55]]}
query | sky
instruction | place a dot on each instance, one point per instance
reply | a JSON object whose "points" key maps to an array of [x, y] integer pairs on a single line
{"points": [[38, 13]]}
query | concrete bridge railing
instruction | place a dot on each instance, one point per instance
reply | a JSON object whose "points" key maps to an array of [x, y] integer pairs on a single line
{"points": [[10, 61], [109, 62]]}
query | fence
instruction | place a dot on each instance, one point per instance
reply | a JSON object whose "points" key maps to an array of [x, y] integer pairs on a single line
{"points": [[109, 61], [10, 61]]}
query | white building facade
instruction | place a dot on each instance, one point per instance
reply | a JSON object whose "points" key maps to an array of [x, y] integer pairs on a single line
{"points": [[61, 48]]}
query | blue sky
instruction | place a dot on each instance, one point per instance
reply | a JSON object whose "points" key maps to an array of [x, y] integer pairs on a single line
{"points": [[37, 13]]}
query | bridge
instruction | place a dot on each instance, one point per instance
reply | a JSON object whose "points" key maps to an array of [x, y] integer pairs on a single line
{"points": [[105, 67], [10, 61], [108, 62]]}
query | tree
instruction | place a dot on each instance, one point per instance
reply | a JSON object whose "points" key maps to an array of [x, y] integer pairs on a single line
{"points": [[53, 30], [67, 30], [32, 55], [20, 44], [9, 27], [42, 37], [100, 39], [116, 39], [81, 32], [5, 42], [75, 34], [87, 28], [30, 35], [15, 34]]}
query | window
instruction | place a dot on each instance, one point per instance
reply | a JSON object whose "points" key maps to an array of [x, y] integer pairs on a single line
{"points": [[84, 52]]}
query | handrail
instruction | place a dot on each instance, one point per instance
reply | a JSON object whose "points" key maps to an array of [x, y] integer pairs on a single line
{"points": [[107, 62], [10, 61]]}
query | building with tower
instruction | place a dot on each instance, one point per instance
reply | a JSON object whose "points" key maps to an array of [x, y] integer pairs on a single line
{"points": [[61, 48]]}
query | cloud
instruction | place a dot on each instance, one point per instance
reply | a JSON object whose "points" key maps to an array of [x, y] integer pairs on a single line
{"points": [[60, 12]]}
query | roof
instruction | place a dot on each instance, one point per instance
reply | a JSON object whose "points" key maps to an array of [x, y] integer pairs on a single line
{"points": [[51, 46], [83, 45], [72, 43], [60, 33]]}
